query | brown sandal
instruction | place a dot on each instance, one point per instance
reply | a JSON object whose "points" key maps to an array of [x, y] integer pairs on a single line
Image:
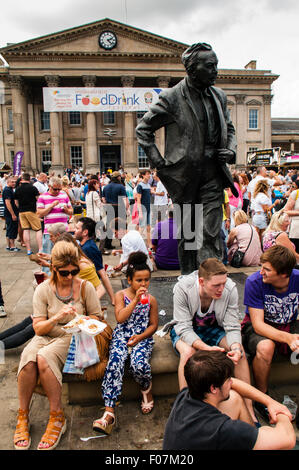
{"points": [[22, 430], [53, 433]]}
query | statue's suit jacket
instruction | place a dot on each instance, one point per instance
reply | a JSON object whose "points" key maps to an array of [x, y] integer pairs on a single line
{"points": [[184, 141]]}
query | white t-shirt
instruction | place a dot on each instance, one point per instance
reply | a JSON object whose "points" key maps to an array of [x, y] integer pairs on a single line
{"points": [[200, 314], [41, 187], [161, 200], [260, 201]]}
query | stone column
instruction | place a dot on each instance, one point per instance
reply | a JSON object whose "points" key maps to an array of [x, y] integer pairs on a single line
{"points": [[241, 129], [57, 164], [20, 119], [267, 99], [129, 149], [163, 82], [92, 160]]}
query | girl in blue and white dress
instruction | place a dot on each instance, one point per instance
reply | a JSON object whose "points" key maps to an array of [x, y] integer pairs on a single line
{"points": [[136, 313]]}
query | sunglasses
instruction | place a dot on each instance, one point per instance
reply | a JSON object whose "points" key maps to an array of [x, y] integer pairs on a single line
{"points": [[65, 273], [56, 189]]}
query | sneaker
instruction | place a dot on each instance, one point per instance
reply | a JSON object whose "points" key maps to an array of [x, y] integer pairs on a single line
{"points": [[2, 311], [15, 249], [263, 410]]}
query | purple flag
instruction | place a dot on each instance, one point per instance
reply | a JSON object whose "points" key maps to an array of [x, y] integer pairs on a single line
{"points": [[17, 163]]}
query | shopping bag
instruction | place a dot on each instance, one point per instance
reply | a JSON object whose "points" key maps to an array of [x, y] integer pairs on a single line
{"points": [[86, 351], [69, 366]]}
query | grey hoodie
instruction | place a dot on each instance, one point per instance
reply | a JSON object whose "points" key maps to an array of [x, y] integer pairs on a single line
{"points": [[186, 302]]}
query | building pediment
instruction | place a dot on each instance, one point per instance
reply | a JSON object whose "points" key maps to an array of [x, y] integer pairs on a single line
{"points": [[254, 103], [83, 41]]}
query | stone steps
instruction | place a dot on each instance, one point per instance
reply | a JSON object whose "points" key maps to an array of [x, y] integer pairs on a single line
{"points": [[165, 382]]}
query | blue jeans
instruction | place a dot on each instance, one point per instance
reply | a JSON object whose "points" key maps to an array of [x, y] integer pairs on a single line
{"points": [[47, 248]]}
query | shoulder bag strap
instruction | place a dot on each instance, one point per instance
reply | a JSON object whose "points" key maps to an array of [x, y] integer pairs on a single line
{"points": [[250, 240]]}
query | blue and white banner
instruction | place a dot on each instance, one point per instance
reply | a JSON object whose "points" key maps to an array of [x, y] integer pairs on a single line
{"points": [[99, 99]]}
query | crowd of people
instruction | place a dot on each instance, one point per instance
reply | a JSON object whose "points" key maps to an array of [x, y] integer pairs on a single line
{"points": [[76, 217]]}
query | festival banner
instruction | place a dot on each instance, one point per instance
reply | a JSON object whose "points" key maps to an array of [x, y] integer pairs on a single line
{"points": [[17, 163], [99, 99]]}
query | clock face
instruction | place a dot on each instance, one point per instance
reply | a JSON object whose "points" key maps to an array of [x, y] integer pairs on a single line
{"points": [[107, 40]]}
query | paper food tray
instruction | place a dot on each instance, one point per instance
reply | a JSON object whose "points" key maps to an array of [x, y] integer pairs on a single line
{"points": [[73, 326], [92, 327]]}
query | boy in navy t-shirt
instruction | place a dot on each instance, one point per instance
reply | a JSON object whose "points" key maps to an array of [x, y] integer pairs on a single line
{"points": [[144, 204], [272, 298]]}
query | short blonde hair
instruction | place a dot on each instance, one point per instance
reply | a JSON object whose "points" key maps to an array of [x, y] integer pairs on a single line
{"points": [[240, 217], [211, 267], [63, 254]]}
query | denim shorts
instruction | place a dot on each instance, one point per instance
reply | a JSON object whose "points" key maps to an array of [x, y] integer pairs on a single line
{"points": [[211, 335], [260, 221], [146, 217]]}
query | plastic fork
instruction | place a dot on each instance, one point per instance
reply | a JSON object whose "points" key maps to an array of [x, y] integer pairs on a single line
{"points": [[91, 437]]}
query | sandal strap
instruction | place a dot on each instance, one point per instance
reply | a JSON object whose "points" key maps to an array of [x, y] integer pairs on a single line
{"points": [[53, 431], [22, 427], [102, 420]]}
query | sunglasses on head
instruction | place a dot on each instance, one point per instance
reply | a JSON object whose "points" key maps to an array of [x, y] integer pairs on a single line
{"points": [[65, 273]]}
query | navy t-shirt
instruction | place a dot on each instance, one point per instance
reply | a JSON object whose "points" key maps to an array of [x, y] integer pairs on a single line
{"points": [[113, 191], [8, 193], [196, 425], [93, 253], [145, 190], [279, 307]]}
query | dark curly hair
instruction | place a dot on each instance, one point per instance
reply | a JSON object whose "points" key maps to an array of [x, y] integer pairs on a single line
{"points": [[137, 262]]}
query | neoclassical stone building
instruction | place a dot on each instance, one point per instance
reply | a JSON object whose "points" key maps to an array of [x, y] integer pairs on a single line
{"points": [[125, 57]]}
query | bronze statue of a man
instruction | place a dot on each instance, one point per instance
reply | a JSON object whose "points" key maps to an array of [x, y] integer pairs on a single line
{"points": [[199, 142]]}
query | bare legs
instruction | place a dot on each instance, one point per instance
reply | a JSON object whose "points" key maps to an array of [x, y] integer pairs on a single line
{"points": [[261, 364], [27, 381]]}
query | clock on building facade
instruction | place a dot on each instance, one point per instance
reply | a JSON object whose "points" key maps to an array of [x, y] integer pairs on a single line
{"points": [[107, 40]]}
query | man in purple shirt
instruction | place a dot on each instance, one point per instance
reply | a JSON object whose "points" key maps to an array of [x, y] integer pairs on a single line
{"points": [[272, 298], [165, 244]]}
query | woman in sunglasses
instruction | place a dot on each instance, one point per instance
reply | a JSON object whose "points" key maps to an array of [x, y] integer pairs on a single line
{"points": [[56, 301]]}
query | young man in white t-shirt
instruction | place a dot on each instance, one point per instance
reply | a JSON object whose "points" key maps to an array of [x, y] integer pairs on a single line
{"points": [[160, 201]]}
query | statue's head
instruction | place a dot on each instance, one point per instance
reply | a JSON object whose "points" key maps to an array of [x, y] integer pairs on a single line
{"points": [[201, 62]]}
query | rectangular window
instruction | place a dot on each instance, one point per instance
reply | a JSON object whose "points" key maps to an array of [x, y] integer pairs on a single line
{"points": [[45, 121], [74, 118], [12, 157], [9, 120], [76, 156], [142, 158], [46, 160], [109, 118], [253, 119]]}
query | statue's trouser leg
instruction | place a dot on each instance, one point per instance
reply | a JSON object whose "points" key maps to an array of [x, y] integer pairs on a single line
{"points": [[199, 236]]}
